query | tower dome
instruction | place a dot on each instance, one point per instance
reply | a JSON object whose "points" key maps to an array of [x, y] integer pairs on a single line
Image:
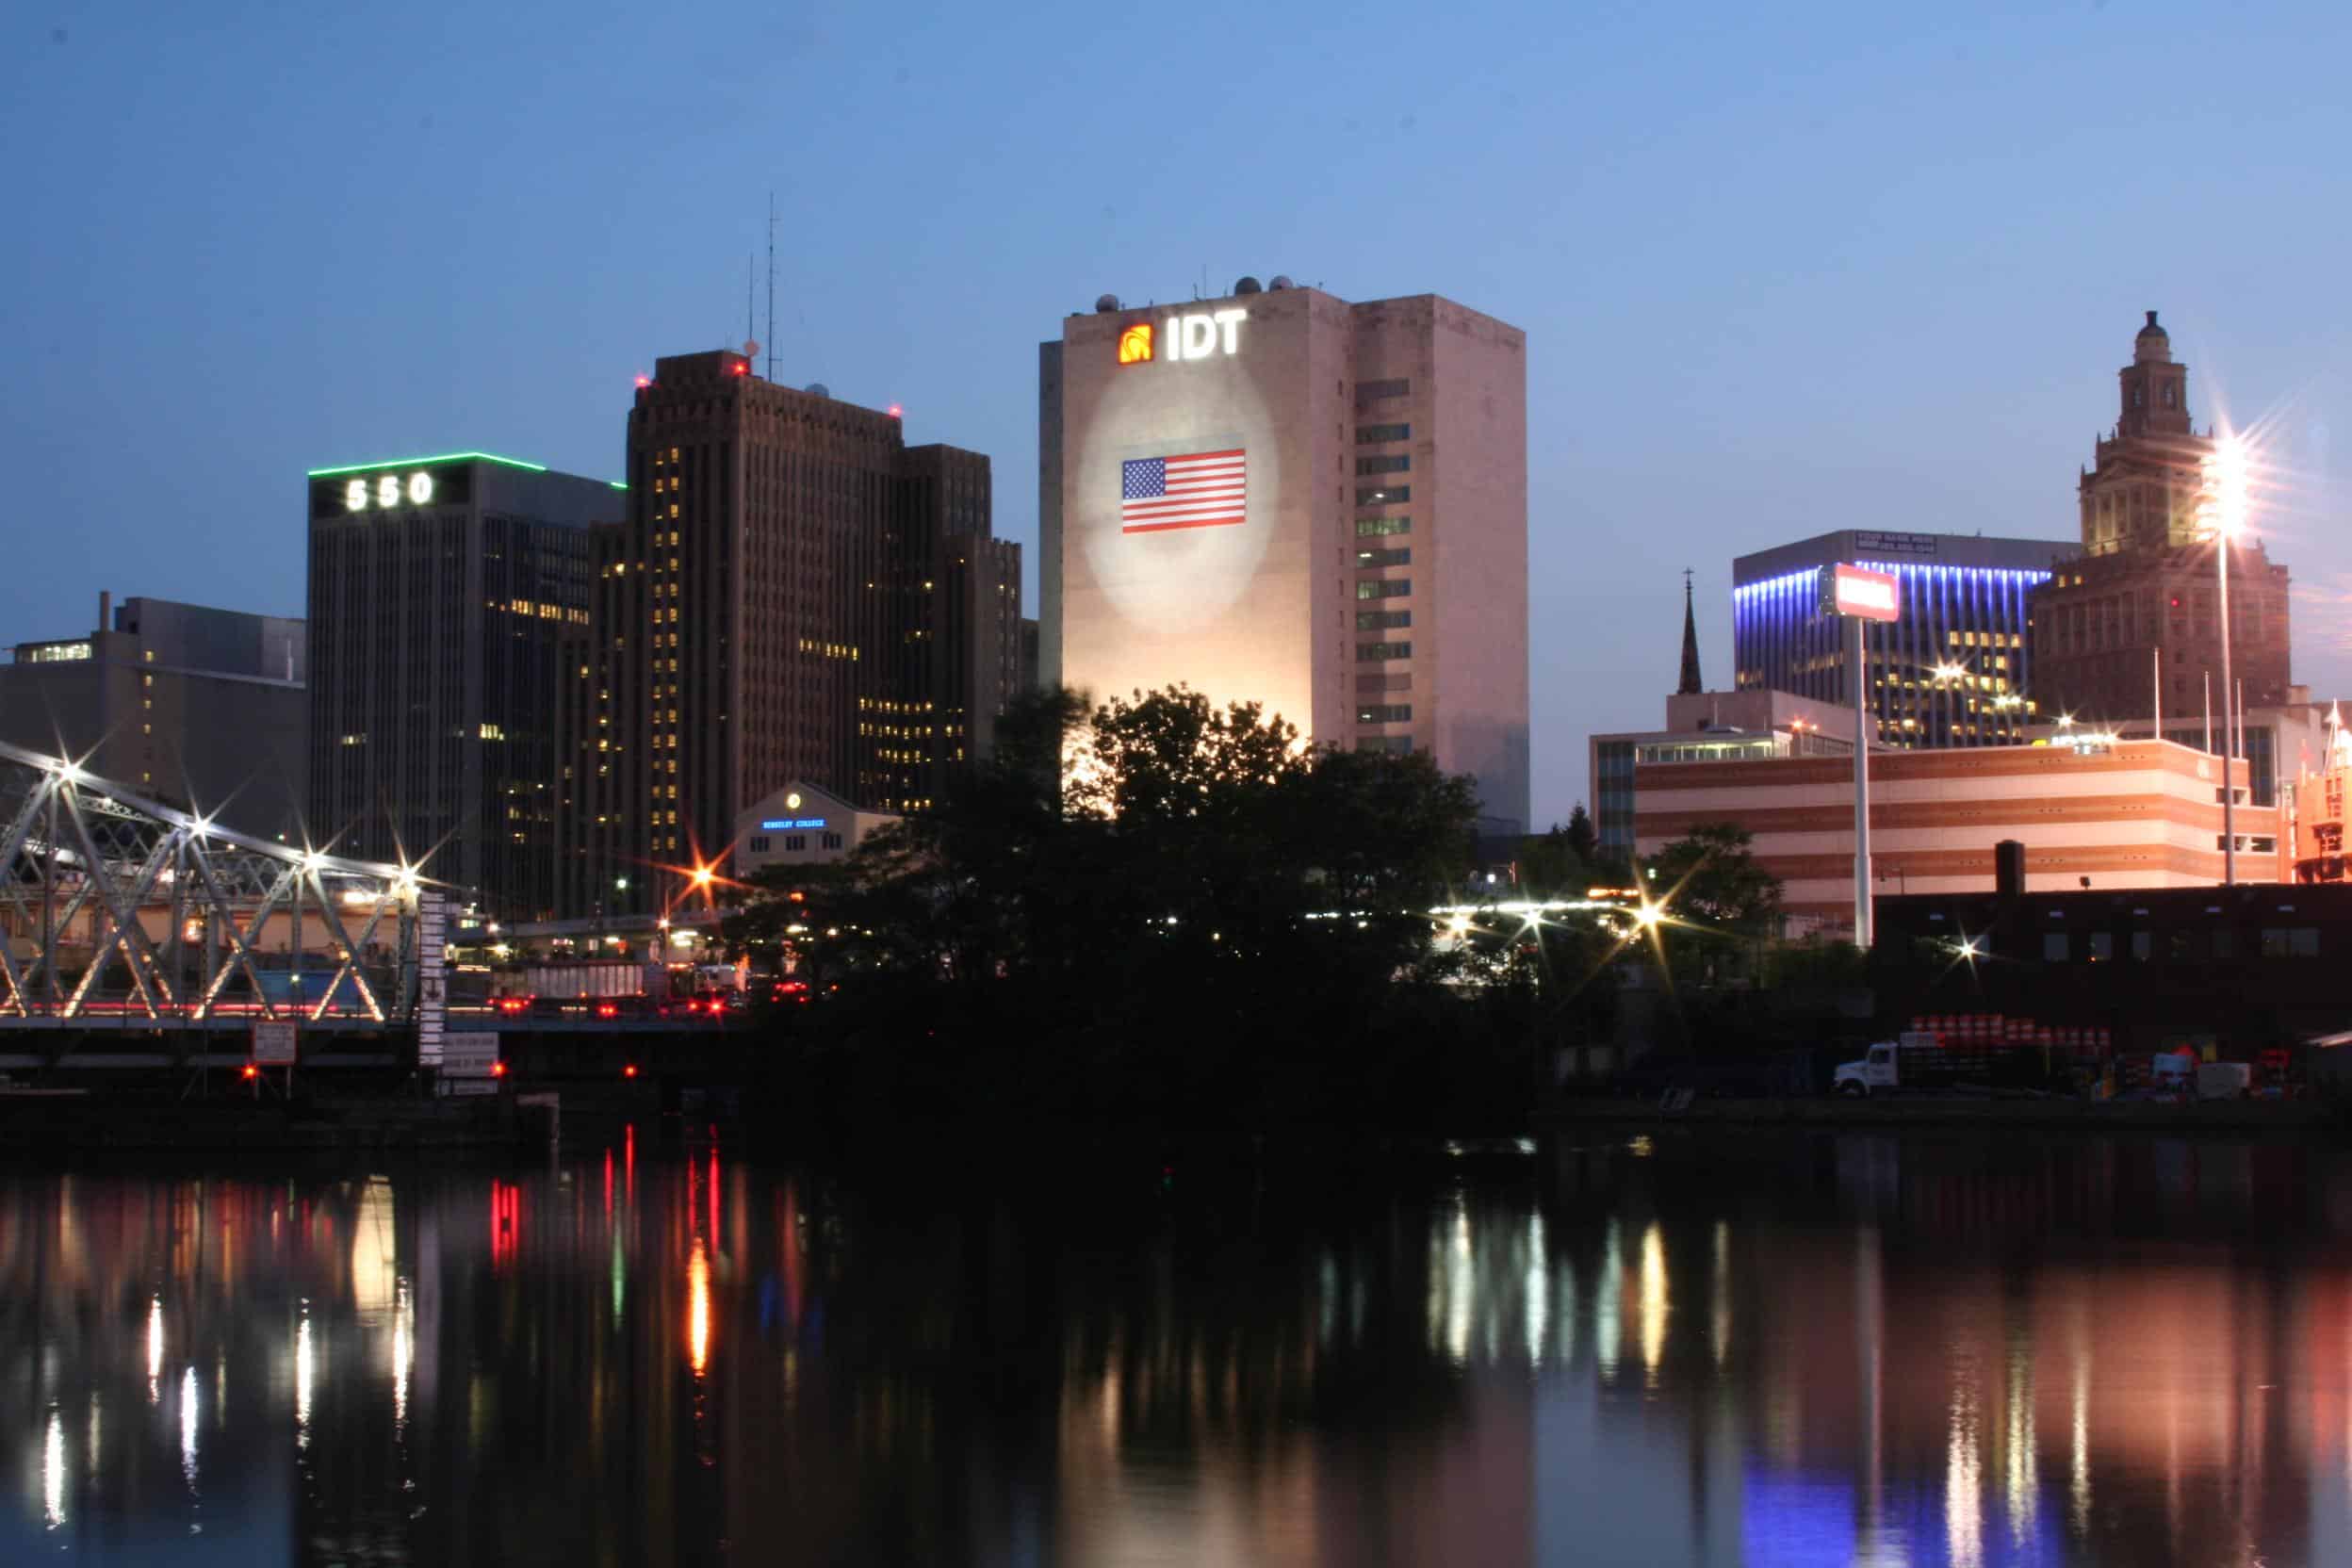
{"points": [[2152, 344]]}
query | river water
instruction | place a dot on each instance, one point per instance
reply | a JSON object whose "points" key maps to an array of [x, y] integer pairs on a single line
{"points": [[1723, 1349]]}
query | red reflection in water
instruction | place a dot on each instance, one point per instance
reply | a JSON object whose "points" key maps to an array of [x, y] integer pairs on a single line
{"points": [[506, 1222]]}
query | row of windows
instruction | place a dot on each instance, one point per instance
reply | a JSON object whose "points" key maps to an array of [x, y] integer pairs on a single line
{"points": [[1385, 497], [794, 842], [1367, 559], [1394, 712], [1384, 588], [1367, 390], [2098, 947], [1365, 433], [1381, 528], [1397, 744], [1367, 652], [1402, 462], [1382, 620]]}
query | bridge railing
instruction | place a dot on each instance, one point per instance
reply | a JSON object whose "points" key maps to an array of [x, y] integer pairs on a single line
{"points": [[115, 905]]}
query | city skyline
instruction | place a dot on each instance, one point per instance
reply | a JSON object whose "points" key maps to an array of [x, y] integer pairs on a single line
{"points": [[1749, 315]]}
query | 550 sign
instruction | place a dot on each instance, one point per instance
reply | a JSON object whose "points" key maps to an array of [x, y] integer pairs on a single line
{"points": [[387, 490]]}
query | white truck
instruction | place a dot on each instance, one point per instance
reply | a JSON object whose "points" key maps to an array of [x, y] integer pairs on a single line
{"points": [[1913, 1060]]}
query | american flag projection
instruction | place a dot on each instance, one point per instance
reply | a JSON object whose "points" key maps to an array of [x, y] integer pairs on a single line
{"points": [[1195, 490]]}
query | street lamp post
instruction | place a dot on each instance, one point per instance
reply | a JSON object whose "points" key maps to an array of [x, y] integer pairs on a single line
{"points": [[1856, 594], [2224, 513]]}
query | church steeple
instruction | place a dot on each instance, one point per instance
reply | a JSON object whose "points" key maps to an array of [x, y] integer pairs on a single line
{"points": [[1691, 684]]}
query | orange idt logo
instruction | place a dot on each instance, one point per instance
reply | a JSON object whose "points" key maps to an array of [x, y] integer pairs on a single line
{"points": [[1135, 344]]}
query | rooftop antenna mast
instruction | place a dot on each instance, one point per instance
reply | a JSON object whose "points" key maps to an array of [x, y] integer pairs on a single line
{"points": [[771, 286]]}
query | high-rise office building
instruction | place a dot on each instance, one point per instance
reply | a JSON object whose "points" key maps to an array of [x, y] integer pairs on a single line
{"points": [[1284, 497], [197, 708], [443, 591], [2135, 620], [797, 595], [1956, 670]]}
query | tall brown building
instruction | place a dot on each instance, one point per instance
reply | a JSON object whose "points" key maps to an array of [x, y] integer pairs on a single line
{"points": [[2144, 597], [797, 595]]}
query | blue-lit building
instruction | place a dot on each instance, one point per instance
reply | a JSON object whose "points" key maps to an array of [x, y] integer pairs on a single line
{"points": [[1954, 671]]}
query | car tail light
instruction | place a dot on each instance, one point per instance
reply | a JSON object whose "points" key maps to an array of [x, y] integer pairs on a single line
{"points": [[608, 1009]]}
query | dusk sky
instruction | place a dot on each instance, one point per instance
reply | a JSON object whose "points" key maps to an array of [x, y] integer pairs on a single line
{"points": [[1781, 269]]}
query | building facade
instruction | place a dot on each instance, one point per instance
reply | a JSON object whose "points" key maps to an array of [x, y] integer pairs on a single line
{"points": [[801, 825], [1705, 727], [1284, 498], [2134, 623], [2122, 814], [796, 595], [445, 594], [1956, 670], [200, 709]]}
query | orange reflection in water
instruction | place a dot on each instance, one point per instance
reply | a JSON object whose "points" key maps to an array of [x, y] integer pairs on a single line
{"points": [[698, 1307]]}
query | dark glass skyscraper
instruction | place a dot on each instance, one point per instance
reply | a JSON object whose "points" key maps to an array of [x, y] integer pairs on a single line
{"points": [[1954, 671], [441, 593]]}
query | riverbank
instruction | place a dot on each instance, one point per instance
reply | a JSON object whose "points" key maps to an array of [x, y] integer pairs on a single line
{"points": [[2088, 1116], [32, 1125]]}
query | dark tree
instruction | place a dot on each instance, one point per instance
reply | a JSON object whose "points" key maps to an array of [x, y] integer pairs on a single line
{"points": [[1584, 840]]}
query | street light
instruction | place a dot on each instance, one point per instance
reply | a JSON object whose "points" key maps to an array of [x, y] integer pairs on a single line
{"points": [[2223, 513]]}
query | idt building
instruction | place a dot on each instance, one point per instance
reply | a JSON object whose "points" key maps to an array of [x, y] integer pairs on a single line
{"points": [[442, 591], [1284, 498]]}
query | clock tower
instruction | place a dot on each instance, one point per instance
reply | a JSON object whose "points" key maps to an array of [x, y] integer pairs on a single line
{"points": [[2134, 623], [2141, 490]]}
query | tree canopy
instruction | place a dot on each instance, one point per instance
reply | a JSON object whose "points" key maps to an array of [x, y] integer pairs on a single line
{"points": [[1152, 889]]}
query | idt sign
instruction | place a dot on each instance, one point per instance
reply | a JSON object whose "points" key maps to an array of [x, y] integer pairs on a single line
{"points": [[1200, 335]]}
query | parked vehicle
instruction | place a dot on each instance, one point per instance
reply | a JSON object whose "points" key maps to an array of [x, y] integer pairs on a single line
{"points": [[1913, 1061]]}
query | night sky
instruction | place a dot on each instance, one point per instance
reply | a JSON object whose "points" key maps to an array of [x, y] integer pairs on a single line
{"points": [[1782, 270]]}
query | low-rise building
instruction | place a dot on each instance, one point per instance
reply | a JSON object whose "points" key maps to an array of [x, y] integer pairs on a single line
{"points": [[801, 826], [1707, 727], [190, 707], [2098, 814]]}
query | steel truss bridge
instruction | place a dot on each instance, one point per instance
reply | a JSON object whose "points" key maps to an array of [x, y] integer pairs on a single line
{"points": [[118, 911]]}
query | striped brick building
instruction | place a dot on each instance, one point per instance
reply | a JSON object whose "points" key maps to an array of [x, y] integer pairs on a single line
{"points": [[2126, 815]]}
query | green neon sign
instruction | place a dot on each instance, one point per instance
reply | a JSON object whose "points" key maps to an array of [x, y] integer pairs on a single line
{"points": [[413, 461]]}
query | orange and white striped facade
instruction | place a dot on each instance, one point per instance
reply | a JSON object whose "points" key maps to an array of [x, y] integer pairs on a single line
{"points": [[2132, 814]]}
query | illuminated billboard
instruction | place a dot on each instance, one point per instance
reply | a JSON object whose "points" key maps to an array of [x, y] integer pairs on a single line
{"points": [[1862, 594]]}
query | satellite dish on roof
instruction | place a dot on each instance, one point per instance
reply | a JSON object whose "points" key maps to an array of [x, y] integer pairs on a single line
{"points": [[1282, 279], [818, 389], [1107, 304], [1245, 285], [751, 348]]}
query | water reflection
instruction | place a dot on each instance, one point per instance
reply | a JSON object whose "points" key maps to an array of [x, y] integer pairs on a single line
{"points": [[1782, 1350]]}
